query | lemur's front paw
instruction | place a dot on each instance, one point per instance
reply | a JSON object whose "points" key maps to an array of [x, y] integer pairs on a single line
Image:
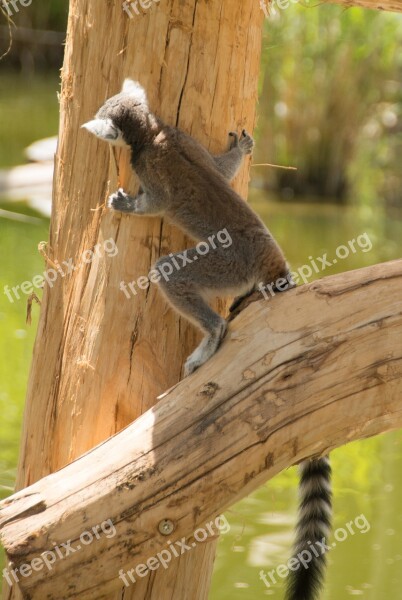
{"points": [[246, 143], [120, 201]]}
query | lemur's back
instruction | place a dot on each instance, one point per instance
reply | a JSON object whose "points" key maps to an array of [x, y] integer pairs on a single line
{"points": [[198, 198]]}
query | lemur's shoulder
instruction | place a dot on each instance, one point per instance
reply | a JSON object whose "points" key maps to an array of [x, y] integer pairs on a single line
{"points": [[191, 150]]}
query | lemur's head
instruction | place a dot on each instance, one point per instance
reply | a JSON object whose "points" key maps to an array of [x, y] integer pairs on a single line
{"points": [[123, 119]]}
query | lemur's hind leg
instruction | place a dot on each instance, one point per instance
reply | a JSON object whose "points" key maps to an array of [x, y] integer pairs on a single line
{"points": [[229, 163], [239, 299], [187, 299], [188, 288], [206, 349]]}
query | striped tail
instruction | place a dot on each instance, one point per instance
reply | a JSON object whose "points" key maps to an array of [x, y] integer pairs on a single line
{"points": [[313, 528]]}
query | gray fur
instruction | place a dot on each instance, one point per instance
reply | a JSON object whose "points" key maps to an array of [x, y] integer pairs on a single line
{"points": [[182, 181]]}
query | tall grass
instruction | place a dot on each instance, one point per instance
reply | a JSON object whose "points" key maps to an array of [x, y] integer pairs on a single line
{"points": [[331, 101]]}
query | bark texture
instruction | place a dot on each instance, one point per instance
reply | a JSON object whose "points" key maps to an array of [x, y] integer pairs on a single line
{"points": [[100, 360], [297, 376]]}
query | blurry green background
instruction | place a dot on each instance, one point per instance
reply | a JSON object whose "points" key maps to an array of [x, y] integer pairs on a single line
{"points": [[331, 105]]}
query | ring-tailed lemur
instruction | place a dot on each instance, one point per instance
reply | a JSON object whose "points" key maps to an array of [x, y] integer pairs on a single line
{"points": [[184, 182]]}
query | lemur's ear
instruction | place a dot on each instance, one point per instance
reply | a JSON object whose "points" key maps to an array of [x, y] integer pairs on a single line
{"points": [[103, 129], [135, 90]]}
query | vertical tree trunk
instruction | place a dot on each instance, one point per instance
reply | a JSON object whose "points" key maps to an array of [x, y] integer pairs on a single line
{"points": [[199, 62]]}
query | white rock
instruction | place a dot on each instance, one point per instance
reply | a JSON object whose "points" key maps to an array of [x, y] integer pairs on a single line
{"points": [[42, 150]]}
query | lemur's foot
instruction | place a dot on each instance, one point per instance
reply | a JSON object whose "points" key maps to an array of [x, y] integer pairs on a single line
{"points": [[245, 142], [121, 201], [205, 350]]}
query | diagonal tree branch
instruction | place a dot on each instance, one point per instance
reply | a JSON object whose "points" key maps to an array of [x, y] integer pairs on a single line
{"points": [[303, 373]]}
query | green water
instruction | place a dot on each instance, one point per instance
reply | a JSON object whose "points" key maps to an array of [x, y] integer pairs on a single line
{"points": [[367, 475], [28, 112]]}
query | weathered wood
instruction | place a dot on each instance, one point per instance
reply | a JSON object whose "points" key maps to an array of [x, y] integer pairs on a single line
{"points": [[298, 375], [388, 5], [100, 359]]}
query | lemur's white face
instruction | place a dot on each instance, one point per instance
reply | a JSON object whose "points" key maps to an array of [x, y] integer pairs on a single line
{"points": [[105, 130], [103, 127]]}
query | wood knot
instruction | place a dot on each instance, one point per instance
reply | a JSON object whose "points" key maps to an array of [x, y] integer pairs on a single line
{"points": [[209, 390]]}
